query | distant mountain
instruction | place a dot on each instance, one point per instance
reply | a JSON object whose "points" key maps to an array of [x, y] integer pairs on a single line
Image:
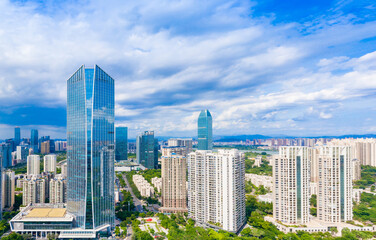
{"points": [[239, 138], [258, 136]]}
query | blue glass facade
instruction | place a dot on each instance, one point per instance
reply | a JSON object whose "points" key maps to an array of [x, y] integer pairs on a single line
{"points": [[147, 150], [90, 147], [6, 155], [34, 140], [17, 136], [121, 150], [205, 132]]}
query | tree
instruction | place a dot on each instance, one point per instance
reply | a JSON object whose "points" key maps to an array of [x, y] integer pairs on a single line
{"points": [[117, 231], [142, 235], [13, 236]]}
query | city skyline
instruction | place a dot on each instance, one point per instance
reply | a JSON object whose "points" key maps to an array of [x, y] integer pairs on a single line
{"points": [[263, 67]]}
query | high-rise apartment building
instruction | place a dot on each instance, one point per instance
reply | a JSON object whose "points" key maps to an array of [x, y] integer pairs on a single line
{"points": [[291, 174], [34, 140], [334, 199], [64, 169], [121, 148], [42, 139], [216, 189], [60, 146], [8, 187], [33, 165], [181, 142], [168, 151], [363, 149], [49, 163], [22, 153], [17, 135], [205, 132], [174, 192], [58, 188], [147, 150], [357, 169], [33, 190], [47, 147], [91, 148]]}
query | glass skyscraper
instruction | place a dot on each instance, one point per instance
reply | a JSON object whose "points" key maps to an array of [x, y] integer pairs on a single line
{"points": [[34, 140], [121, 150], [205, 132], [147, 150], [17, 135], [90, 148]]}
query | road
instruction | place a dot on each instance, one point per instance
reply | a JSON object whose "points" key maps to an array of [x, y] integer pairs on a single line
{"points": [[137, 202], [129, 232]]}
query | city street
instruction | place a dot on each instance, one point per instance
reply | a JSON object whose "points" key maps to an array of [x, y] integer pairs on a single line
{"points": [[137, 202]]}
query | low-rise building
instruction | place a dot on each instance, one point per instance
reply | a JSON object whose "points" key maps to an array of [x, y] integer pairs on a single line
{"points": [[259, 180], [157, 182], [146, 190]]}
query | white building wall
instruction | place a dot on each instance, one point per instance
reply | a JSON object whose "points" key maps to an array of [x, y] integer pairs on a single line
{"points": [[50, 163], [216, 191], [33, 165]]}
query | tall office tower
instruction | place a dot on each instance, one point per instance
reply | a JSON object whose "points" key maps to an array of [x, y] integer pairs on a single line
{"points": [[22, 153], [334, 199], [181, 142], [147, 150], [205, 132], [356, 169], [121, 150], [6, 155], [174, 192], [90, 148], [49, 163], [17, 135], [8, 187], [34, 140], [33, 165], [291, 174], [216, 188], [58, 189], [33, 190]]}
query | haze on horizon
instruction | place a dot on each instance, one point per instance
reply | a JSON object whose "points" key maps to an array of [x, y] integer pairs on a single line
{"points": [[296, 68]]}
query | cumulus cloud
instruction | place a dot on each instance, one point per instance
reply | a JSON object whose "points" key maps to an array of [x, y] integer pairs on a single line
{"points": [[172, 59]]}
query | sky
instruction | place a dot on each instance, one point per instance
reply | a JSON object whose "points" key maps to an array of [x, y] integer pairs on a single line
{"points": [[296, 68]]}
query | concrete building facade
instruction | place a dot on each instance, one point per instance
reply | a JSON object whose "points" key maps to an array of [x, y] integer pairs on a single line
{"points": [[216, 189], [291, 173], [174, 192]]}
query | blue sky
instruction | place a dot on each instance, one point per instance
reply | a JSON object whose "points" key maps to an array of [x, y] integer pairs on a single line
{"points": [[301, 68]]}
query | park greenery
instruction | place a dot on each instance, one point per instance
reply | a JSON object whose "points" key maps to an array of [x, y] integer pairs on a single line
{"points": [[251, 188], [368, 177], [313, 205], [264, 169], [365, 210]]}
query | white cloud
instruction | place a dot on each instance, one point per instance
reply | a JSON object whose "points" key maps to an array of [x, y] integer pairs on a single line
{"points": [[170, 60]]}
